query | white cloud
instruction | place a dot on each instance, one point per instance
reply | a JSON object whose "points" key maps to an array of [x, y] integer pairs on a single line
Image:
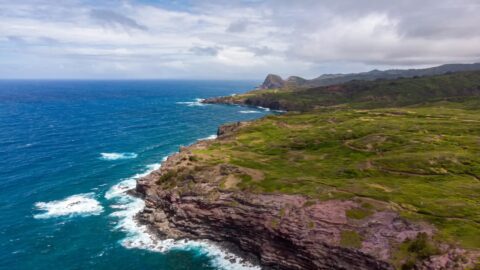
{"points": [[247, 39]]}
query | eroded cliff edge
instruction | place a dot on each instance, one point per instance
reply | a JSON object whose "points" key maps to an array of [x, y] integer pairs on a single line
{"points": [[188, 198]]}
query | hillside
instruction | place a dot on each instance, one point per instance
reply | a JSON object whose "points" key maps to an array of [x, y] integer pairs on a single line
{"points": [[364, 94], [332, 79], [365, 175]]}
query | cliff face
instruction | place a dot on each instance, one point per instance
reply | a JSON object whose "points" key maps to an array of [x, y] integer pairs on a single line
{"points": [[187, 199]]}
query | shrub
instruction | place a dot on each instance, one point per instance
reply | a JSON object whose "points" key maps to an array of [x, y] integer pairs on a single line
{"points": [[166, 176]]}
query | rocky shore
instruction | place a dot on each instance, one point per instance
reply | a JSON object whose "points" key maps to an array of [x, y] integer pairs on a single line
{"points": [[263, 102], [186, 199]]}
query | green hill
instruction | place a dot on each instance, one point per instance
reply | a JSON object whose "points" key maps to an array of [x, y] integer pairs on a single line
{"points": [[412, 144], [365, 94]]}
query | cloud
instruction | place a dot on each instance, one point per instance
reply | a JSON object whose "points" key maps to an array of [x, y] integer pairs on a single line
{"points": [[15, 39], [246, 39], [261, 51], [210, 51], [113, 19], [238, 26]]}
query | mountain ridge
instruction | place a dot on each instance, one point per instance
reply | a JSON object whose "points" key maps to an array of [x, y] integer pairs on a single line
{"points": [[273, 81]]}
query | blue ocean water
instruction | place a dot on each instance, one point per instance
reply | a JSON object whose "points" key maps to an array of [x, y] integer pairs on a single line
{"points": [[69, 150]]}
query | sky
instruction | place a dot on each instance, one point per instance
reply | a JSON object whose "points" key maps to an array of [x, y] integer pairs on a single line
{"points": [[231, 39]]}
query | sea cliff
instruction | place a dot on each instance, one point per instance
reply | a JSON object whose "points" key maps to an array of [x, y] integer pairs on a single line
{"points": [[364, 175], [187, 199]]}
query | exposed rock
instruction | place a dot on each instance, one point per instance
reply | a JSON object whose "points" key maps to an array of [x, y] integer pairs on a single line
{"points": [[272, 81], [282, 231], [225, 130]]}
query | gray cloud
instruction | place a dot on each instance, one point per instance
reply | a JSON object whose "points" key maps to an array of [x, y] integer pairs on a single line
{"points": [[113, 19], [245, 39], [261, 51], [16, 39], [238, 26], [210, 51]]}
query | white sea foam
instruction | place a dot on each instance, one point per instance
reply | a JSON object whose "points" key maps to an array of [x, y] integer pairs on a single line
{"points": [[249, 111], [76, 205], [117, 156], [263, 108], [197, 102], [119, 190], [138, 236], [211, 137]]}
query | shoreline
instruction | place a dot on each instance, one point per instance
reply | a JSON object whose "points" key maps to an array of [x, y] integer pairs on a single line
{"points": [[231, 253], [252, 239], [284, 231]]}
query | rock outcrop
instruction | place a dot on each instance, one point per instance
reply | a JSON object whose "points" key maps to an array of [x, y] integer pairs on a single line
{"points": [[272, 81]]}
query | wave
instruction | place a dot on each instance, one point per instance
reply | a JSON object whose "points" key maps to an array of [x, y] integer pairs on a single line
{"points": [[211, 137], [138, 236], [263, 108], [197, 102], [75, 205], [119, 190], [117, 156], [251, 111]]}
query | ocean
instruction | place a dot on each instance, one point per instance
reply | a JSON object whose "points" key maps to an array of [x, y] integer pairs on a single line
{"points": [[70, 149]]}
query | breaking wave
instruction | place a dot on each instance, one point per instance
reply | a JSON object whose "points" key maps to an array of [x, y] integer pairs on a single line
{"points": [[197, 102], [75, 205], [117, 156], [137, 236], [250, 111], [211, 137]]}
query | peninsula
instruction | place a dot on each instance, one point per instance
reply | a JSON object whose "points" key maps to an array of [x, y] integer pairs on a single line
{"points": [[363, 174]]}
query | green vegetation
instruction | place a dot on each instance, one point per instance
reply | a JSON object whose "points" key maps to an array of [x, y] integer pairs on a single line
{"points": [[350, 239], [410, 145], [369, 94], [413, 250], [167, 176], [358, 213], [423, 160]]}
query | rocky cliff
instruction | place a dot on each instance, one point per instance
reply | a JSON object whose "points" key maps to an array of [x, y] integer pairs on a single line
{"points": [[272, 81], [188, 198]]}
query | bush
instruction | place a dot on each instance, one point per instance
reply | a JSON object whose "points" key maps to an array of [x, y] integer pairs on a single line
{"points": [[422, 247], [166, 176]]}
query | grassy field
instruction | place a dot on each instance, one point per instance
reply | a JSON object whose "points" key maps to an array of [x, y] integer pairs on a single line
{"points": [[423, 160]]}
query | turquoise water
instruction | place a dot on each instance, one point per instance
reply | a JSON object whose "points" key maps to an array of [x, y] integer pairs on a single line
{"points": [[69, 150]]}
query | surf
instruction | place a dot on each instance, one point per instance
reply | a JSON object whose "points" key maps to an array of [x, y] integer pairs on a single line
{"points": [[117, 156], [76, 205]]}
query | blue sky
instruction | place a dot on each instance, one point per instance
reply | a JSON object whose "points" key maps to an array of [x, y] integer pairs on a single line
{"points": [[231, 39]]}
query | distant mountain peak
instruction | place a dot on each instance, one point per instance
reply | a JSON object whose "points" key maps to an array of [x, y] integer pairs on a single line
{"points": [[274, 81]]}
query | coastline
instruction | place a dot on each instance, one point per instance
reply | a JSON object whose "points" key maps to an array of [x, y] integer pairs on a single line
{"points": [[280, 231], [223, 254], [164, 214]]}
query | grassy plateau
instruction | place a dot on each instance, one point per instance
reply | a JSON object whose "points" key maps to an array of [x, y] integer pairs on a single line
{"points": [[411, 144]]}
